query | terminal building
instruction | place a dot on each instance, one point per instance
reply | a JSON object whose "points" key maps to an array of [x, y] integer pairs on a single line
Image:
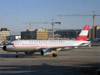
{"points": [[68, 33], [13, 37], [46, 34], [37, 34], [63, 34], [59, 34], [3, 33], [97, 31]]}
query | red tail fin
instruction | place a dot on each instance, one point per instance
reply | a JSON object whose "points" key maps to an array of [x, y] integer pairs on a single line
{"points": [[84, 33]]}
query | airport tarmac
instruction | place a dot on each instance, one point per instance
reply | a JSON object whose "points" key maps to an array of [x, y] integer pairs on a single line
{"points": [[82, 61]]}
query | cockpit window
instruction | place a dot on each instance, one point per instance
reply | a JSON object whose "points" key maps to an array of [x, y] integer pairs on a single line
{"points": [[10, 44]]}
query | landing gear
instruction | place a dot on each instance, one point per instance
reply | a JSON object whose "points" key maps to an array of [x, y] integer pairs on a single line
{"points": [[42, 53], [16, 55], [7, 54], [54, 55], [90, 46]]}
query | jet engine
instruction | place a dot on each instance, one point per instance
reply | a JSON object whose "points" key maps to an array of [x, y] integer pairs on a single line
{"points": [[45, 52]]}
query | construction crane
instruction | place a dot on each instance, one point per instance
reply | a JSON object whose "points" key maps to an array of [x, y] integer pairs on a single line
{"points": [[87, 15], [30, 23], [41, 27]]}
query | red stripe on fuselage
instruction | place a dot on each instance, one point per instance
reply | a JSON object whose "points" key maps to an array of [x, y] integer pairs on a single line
{"points": [[43, 46], [14, 46]]}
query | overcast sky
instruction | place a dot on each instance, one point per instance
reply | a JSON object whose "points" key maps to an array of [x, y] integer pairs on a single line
{"points": [[14, 12]]}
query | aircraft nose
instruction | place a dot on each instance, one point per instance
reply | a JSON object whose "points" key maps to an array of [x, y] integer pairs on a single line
{"points": [[4, 48]]}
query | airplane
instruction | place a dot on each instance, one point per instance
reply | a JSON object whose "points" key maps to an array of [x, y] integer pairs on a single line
{"points": [[46, 47]]}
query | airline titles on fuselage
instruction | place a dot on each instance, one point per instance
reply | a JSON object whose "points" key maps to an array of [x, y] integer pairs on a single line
{"points": [[37, 42]]}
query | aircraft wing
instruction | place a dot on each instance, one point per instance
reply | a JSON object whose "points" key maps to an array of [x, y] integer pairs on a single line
{"points": [[53, 50]]}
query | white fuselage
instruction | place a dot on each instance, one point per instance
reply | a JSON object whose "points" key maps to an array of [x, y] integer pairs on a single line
{"points": [[31, 45]]}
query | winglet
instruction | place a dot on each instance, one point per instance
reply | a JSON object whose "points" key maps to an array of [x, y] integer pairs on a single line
{"points": [[83, 35]]}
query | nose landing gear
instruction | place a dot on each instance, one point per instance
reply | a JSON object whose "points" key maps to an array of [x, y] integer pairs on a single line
{"points": [[7, 54], [16, 55]]}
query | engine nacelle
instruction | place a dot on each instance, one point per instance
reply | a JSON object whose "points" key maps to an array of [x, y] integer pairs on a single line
{"points": [[46, 52]]}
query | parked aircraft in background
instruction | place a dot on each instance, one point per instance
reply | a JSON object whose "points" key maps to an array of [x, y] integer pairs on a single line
{"points": [[47, 47]]}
